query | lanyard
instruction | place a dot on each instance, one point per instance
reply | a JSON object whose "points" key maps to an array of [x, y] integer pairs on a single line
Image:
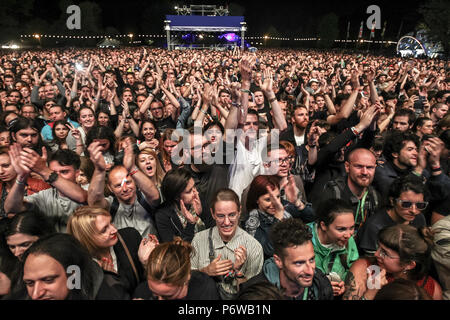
{"points": [[305, 294], [360, 208]]}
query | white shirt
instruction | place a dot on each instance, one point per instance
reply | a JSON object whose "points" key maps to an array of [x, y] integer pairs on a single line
{"points": [[246, 165]]}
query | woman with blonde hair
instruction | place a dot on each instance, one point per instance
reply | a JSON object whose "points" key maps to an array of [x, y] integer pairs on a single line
{"points": [[147, 161], [169, 275], [122, 252]]}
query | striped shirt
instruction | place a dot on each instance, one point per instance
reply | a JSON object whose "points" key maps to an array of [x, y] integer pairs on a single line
{"points": [[252, 265]]}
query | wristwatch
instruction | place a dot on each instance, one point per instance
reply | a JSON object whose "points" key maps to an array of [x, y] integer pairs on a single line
{"points": [[52, 178]]}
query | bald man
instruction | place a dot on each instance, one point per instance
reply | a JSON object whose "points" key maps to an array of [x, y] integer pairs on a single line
{"points": [[356, 186]]}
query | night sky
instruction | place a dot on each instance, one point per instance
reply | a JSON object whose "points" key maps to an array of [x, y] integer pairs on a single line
{"points": [[289, 18]]}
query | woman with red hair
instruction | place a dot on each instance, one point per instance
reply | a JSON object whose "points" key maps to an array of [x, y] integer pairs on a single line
{"points": [[265, 208]]}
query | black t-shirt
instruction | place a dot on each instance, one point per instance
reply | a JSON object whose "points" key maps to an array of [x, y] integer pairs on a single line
{"points": [[264, 113], [201, 287], [164, 124], [367, 237], [208, 181], [321, 115]]}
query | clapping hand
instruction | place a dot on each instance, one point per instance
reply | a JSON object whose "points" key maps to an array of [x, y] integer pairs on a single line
{"points": [[240, 256], [219, 267], [14, 153], [146, 247]]}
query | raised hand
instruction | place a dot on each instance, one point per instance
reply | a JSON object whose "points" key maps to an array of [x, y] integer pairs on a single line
{"points": [[291, 190], [96, 156], [434, 147], [187, 214], [267, 86], [368, 116], [276, 203], [240, 256], [235, 91], [246, 66], [128, 158], [33, 160], [197, 204], [19, 167], [207, 93], [354, 80], [75, 132], [146, 247], [370, 75]]}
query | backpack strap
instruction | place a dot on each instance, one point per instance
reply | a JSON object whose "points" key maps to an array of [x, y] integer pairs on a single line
{"points": [[130, 259], [114, 207], [145, 204], [211, 246], [334, 185]]}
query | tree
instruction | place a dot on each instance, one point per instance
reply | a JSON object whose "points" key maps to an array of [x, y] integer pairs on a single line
{"points": [[435, 15], [328, 30]]}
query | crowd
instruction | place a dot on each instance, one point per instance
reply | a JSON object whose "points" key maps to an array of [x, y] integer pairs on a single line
{"points": [[141, 173]]}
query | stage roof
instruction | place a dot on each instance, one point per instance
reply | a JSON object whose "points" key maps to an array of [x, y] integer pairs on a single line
{"points": [[205, 23]]}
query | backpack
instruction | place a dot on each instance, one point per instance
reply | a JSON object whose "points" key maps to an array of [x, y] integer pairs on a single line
{"points": [[339, 184]]}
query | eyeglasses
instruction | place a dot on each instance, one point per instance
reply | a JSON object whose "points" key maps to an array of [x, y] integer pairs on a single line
{"points": [[408, 204], [232, 217], [383, 253], [286, 160]]}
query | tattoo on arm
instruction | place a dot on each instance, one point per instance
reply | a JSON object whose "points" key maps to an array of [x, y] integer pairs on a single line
{"points": [[351, 290]]}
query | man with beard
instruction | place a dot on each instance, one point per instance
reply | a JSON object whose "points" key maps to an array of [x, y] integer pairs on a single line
{"points": [[25, 132], [404, 155], [330, 157], [135, 194], [356, 188], [292, 268], [300, 119], [438, 111]]}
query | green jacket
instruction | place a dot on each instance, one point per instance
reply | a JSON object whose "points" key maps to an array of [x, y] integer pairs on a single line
{"points": [[323, 255]]}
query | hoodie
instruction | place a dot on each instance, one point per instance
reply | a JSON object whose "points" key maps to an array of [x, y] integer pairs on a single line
{"points": [[321, 285], [324, 254]]}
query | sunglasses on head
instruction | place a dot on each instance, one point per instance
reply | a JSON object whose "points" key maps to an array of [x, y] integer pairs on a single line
{"points": [[408, 204]]}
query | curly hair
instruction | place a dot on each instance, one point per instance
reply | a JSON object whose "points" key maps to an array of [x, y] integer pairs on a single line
{"points": [[396, 141], [288, 233], [409, 182]]}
